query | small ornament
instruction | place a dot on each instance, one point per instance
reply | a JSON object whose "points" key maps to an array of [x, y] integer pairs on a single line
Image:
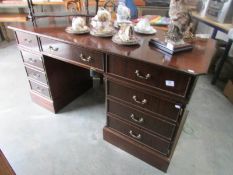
{"points": [[180, 22]]}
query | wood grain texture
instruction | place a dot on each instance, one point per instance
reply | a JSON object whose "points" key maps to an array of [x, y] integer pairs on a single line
{"points": [[5, 168], [147, 91], [193, 62], [154, 104], [144, 153], [131, 115], [158, 77]]}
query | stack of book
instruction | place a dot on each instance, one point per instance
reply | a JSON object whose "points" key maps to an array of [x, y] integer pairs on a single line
{"points": [[170, 48]]}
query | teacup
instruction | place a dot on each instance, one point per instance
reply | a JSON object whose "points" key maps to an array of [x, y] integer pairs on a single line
{"points": [[78, 24]]}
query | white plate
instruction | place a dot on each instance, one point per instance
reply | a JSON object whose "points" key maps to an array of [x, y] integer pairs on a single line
{"points": [[149, 32], [71, 31], [117, 40], [99, 34]]}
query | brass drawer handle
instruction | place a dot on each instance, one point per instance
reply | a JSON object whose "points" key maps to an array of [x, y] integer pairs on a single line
{"points": [[137, 120], [148, 76], [36, 75], [88, 59], [138, 136], [51, 48], [28, 40], [144, 101], [32, 60], [38, 89]]}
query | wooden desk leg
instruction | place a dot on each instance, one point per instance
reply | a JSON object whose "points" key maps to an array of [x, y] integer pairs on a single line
{"points": [[222, 61]]}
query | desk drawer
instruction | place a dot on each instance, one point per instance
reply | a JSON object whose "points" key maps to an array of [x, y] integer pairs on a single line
{"points": [[42, 90], [139, 135], [156, 125], [88, 58], [168, 109], [36, 75], [27, 40], [32, 59], [148, 74]]}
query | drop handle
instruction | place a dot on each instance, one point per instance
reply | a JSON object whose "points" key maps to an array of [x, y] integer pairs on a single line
{"points": [[136, 136], [82, 57], [39, 89], [148, 76], [36, 75], [32, 60], [137, 120], [27, 40], [142, 102], [51, 48]]}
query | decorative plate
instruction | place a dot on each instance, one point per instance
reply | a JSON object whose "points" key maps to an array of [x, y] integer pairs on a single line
{"points": [[152, 31], [71, 31], [117, 40]]}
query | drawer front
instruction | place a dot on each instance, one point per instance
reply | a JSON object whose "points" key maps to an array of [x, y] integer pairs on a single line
{"points": [[154, 104], [152, 75], [28, 40], [139, 135], [82, 56], [161, 127], [32, 59], [36, 75], [42, 90]]}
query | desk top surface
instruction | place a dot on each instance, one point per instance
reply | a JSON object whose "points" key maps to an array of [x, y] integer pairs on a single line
{"points": [[193, 62]]}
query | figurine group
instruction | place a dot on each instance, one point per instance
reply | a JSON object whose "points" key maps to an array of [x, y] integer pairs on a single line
{"points": [[102, 25]]}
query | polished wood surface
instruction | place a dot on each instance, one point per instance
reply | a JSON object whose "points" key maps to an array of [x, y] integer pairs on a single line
{"points": [[149, 74], [81, 56], [145, 101], [5, 168], [139, 135], [32, 59], [147, 91], [141, 119], [194, 62]]}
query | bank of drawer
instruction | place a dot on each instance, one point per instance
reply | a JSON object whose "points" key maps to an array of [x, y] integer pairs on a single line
{"points": [[156, 125], [86, 57], [32, 59], [158, 105], [36, 75], [27, 40], [163, 79], [42, 90], [139, 135]]}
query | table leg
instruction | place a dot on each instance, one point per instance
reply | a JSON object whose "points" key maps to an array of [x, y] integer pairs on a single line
{"points": [[222, 61], [214, 34]]}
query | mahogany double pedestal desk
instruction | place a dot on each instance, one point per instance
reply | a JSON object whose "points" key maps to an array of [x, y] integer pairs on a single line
{"points": [[146, 90]]}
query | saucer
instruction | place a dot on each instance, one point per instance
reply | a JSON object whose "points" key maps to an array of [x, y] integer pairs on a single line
{"points": [[102, 34], [147, 32], [117, 40], [71, 31]]}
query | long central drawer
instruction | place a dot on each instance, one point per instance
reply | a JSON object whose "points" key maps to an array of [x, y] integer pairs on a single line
{"points": [[71, 53]]}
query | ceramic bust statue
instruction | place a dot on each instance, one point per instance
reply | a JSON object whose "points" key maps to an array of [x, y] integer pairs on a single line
{"points": [[180, 22]]}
